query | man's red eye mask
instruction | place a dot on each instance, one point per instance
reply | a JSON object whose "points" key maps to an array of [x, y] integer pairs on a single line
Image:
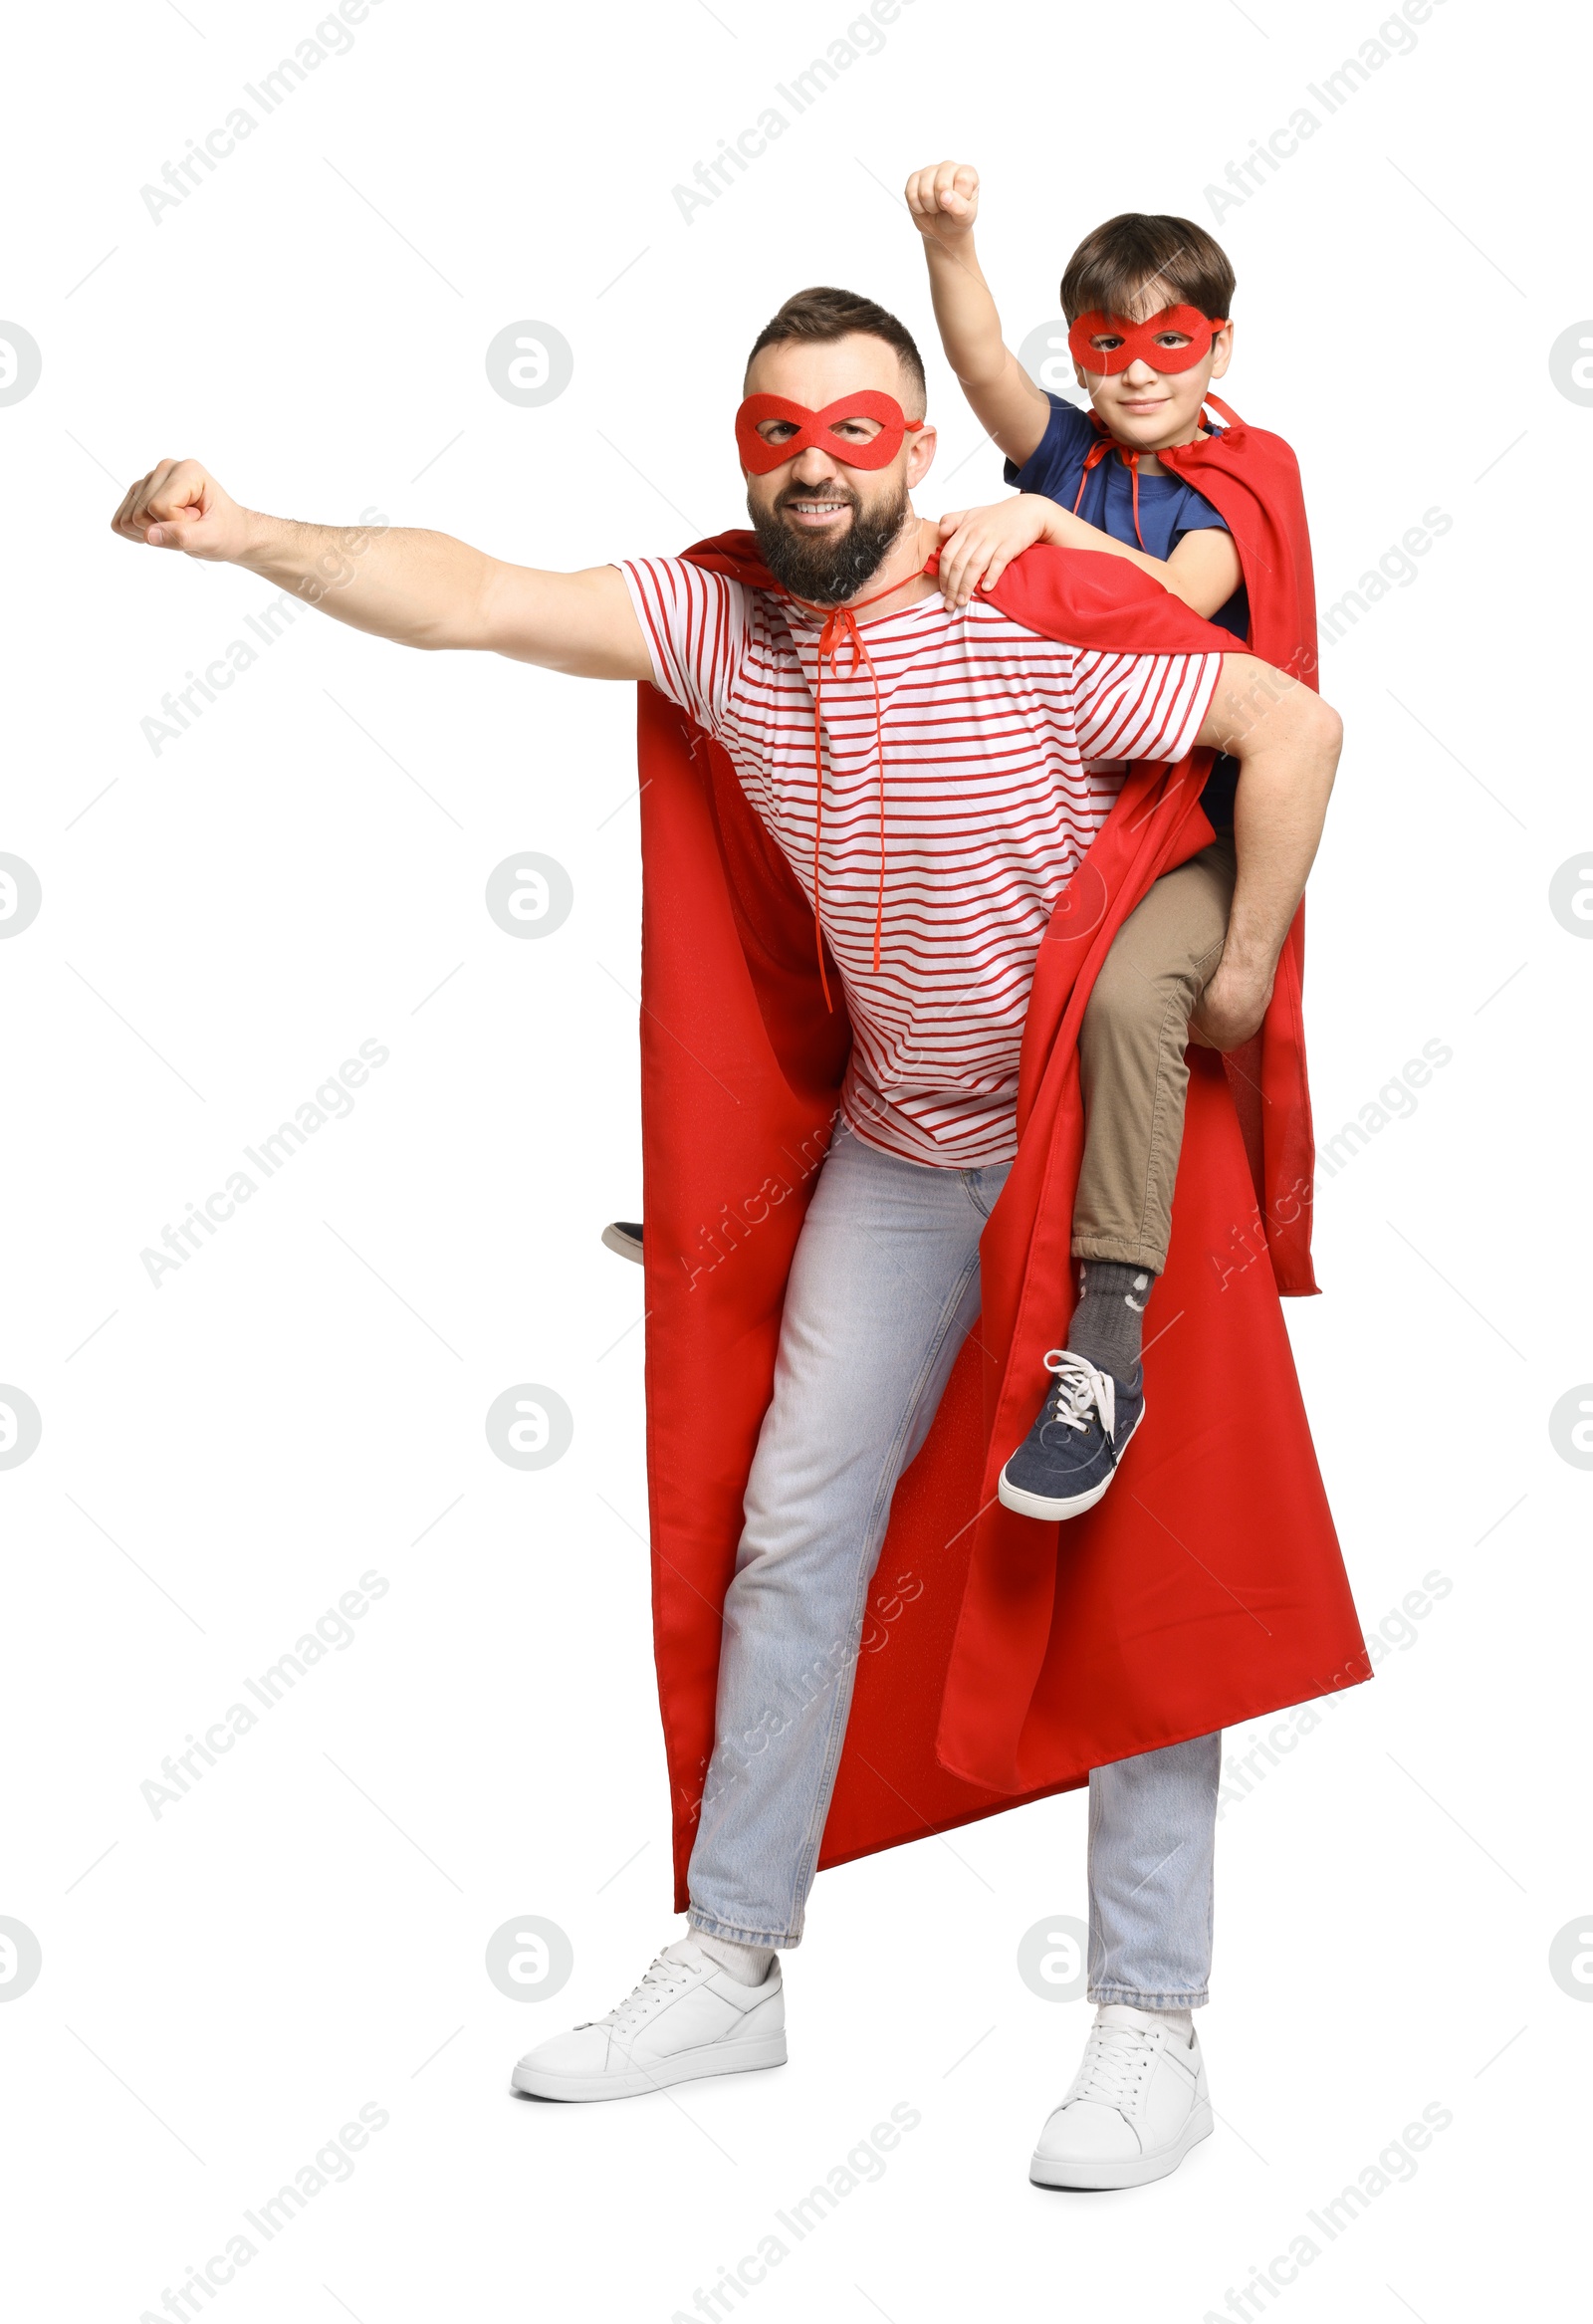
{"points": [[816, 429], [1139, 340]]}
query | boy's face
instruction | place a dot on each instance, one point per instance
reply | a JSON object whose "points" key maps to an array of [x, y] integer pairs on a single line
{"points": [[1148, 408]]}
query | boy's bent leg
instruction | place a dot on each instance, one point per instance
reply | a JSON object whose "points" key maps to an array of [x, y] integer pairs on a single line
{"points": [[882, 1292], [1135, 1079], [1131, 1061]]}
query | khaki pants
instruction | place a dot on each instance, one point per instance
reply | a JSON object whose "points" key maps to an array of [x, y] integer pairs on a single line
{"points": [[1131, 1060]]}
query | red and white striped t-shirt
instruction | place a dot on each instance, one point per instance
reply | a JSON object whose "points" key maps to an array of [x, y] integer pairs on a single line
{"points": [[1004, 753]]}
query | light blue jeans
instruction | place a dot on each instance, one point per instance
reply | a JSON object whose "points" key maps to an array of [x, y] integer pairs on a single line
{"points": [[883, 1292]]}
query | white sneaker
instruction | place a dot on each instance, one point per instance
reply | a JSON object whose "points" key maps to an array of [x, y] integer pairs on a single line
{"points": [[1138, 2103], [688, 2017]]}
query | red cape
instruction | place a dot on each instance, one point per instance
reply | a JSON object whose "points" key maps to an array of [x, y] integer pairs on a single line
{"points": [[1001, 1659], [1253, 480]]}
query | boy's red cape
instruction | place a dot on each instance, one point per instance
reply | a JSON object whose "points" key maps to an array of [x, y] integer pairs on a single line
{"points": [[1001, 1659]]}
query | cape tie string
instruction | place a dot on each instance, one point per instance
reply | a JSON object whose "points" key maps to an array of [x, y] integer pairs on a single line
{"points": [[1130, 459], [1106, 443], [841, 631]]}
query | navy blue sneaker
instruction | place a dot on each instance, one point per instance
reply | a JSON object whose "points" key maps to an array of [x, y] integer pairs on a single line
{"points": [[1071, 1454]]}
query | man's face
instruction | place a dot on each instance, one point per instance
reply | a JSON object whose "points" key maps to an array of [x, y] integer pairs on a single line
{"points": [[826, 528], [1146, 407]]}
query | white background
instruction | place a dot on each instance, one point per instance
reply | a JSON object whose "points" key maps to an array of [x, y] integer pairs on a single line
{"points": [[223, 1457]]}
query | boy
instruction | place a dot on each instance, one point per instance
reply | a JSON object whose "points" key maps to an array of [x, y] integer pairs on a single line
{"points": [[1150, 296]]}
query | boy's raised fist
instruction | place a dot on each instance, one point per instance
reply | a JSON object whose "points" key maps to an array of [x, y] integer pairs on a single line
{"points": [[943, 200], [179, 505]]}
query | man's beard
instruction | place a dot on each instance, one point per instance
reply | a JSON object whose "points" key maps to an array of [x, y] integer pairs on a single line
{"points": [[829, 567]]}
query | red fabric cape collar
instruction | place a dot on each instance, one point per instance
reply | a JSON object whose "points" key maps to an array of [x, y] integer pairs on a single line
{"points": [[1099, 603], [1253, 480]]}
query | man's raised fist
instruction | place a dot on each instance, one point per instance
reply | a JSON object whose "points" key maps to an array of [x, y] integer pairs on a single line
{"points": [[179, 505]]}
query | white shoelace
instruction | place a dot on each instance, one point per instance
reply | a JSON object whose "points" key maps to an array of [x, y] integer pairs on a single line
{"points": [[661, 1977], [1081, 1390], [1116, 2060]]}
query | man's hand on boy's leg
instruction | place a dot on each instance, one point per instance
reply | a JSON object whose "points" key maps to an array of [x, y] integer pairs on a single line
{"points": [[1230, 1011], [1286, 741]]}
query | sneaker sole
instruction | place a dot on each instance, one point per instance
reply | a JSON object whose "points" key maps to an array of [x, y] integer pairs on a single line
{"points": [[627, 1246], [691, 2066], [1047, 2171], [1040, 1504]]}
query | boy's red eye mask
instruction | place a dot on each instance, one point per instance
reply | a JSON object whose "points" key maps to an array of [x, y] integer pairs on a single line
{"points": [[816, 428], [1139, 340]]}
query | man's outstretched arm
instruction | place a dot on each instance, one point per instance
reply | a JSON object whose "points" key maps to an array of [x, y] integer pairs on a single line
{"points": [[423, 589], [1286, 741]]}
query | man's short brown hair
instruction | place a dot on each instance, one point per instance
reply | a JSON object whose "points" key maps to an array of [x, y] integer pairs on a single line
{"points": [[822, 314], [1112, 266]]}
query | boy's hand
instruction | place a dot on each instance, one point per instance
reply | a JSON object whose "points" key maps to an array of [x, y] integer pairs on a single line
{"points": [[978, 545], [944, 201], [1230, 1011], [178, 505]]}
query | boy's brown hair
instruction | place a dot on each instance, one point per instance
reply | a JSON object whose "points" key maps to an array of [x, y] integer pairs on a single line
{"points": [[825, 313], [1112, 266]]}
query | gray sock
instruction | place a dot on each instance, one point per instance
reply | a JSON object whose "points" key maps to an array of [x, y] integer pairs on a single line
{"points": [[747, 1964], [1109, 1321]]}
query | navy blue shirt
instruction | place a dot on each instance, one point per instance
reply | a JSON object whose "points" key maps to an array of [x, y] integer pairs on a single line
{"points": [[1168, 509]]}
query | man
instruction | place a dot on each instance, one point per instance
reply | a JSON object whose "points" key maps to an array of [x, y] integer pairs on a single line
{"points": [[932, 777]]}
